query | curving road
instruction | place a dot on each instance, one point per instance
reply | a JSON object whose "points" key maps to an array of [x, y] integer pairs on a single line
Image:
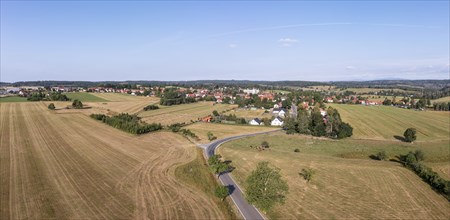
{"points": [[247, 211]]}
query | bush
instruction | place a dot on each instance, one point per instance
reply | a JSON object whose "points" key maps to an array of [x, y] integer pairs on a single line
{"points": [[381, 155], [307, 174], [410, 135], [51, 106], [222, 192], [420, 156], [211, 136], [265, 144], [297, 150], [150, 107]]}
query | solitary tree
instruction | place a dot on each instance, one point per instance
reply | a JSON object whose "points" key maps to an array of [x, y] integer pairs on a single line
{"points": [[410, 135], [265, 187], [211, 136], [51, 106], [265, 144], [222, 192], [77, 104], [307, 174], [215, 113]]}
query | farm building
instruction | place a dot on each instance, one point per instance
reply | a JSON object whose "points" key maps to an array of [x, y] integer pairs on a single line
{"points": [[255, 121]]}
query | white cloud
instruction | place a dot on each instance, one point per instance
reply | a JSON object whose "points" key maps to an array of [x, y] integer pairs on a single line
{"points": [[287, 42], [232, 45], [350, 67]]}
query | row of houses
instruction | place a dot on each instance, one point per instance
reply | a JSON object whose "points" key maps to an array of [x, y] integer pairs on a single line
{"points": [[277, 121]]}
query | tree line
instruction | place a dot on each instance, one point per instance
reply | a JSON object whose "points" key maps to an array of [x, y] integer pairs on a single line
{"points": [[128, 123], [441, 106], [53, 96], [173, 97], [313, 123]]}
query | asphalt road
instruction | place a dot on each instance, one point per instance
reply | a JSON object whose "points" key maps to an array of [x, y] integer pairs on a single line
{"points": [[247, 210]]}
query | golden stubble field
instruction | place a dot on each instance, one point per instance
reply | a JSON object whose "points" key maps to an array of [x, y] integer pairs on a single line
{"points": [[341, 188], [68, 166]]}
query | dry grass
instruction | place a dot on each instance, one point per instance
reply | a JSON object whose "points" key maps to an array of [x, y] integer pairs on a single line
{"points": [[183, 113], [443, 99], [251, 114], [68, 166], [341, 188], [120, 97], [383, 122], [223, 130]]}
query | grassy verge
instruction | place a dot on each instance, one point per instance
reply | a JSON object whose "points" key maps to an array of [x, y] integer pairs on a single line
{"points": [[197, 174]]}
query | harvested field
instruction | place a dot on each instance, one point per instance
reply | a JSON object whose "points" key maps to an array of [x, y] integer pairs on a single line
{"points": [[341, 188], [68, 166], [250, 114], [183, 113], [222, 130], [443, 99], [384, 122]]}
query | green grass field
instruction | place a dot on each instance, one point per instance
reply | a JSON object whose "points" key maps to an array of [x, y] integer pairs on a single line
{"points": [[13, 99], [384, 122], [443, 99], [84, 97], [347, 183]]}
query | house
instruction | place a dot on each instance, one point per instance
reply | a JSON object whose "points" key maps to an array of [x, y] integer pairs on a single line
{"points": [[251, 91], [207, 119], [279, 111], [255, 121], [323, 112], [277, 122]]}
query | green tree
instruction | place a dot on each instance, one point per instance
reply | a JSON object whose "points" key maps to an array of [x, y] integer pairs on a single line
{"points": [[222, 192], [51, 106], [410, 135], [265, 187], [307, 174], [77, 104], [214, 159], [265, 144], [211, 136], [420, 156], [220, 168], [410, 158], [215, 113]]}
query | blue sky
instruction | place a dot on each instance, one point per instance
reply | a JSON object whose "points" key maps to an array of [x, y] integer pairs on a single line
{"points": [[139, 40]]}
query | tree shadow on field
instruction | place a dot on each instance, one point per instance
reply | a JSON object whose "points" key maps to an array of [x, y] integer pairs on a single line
{"points": [[400, 138]]}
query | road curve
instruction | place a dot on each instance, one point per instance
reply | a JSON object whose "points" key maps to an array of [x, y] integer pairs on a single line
{"points": [[249, 212]]}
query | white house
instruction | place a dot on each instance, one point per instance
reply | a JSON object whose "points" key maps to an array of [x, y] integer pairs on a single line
{"points": [[251, 91], [323, 112], [277, 122], [279, 112], [255, 121]]}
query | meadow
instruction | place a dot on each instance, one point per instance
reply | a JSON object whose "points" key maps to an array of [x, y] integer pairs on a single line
{"points": [[186, 113], [385, 122], [443, 99], [13, 99], [250, 114], [84, 97], [69, 166], [347, 183]]}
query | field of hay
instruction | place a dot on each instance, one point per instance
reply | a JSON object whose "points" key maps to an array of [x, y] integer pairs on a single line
{"points": [[167, 115], [13, 99], [68, 166], [223, 130], [342, 188], [120, 97], [250, 114], [384, 122], [443, 99]]}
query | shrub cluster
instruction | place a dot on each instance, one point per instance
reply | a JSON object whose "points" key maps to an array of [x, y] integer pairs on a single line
{"points": [[54, 96], [128, 123], [187, 132], [150, 107], [173, 97], [412, 161], [314, 123]]}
